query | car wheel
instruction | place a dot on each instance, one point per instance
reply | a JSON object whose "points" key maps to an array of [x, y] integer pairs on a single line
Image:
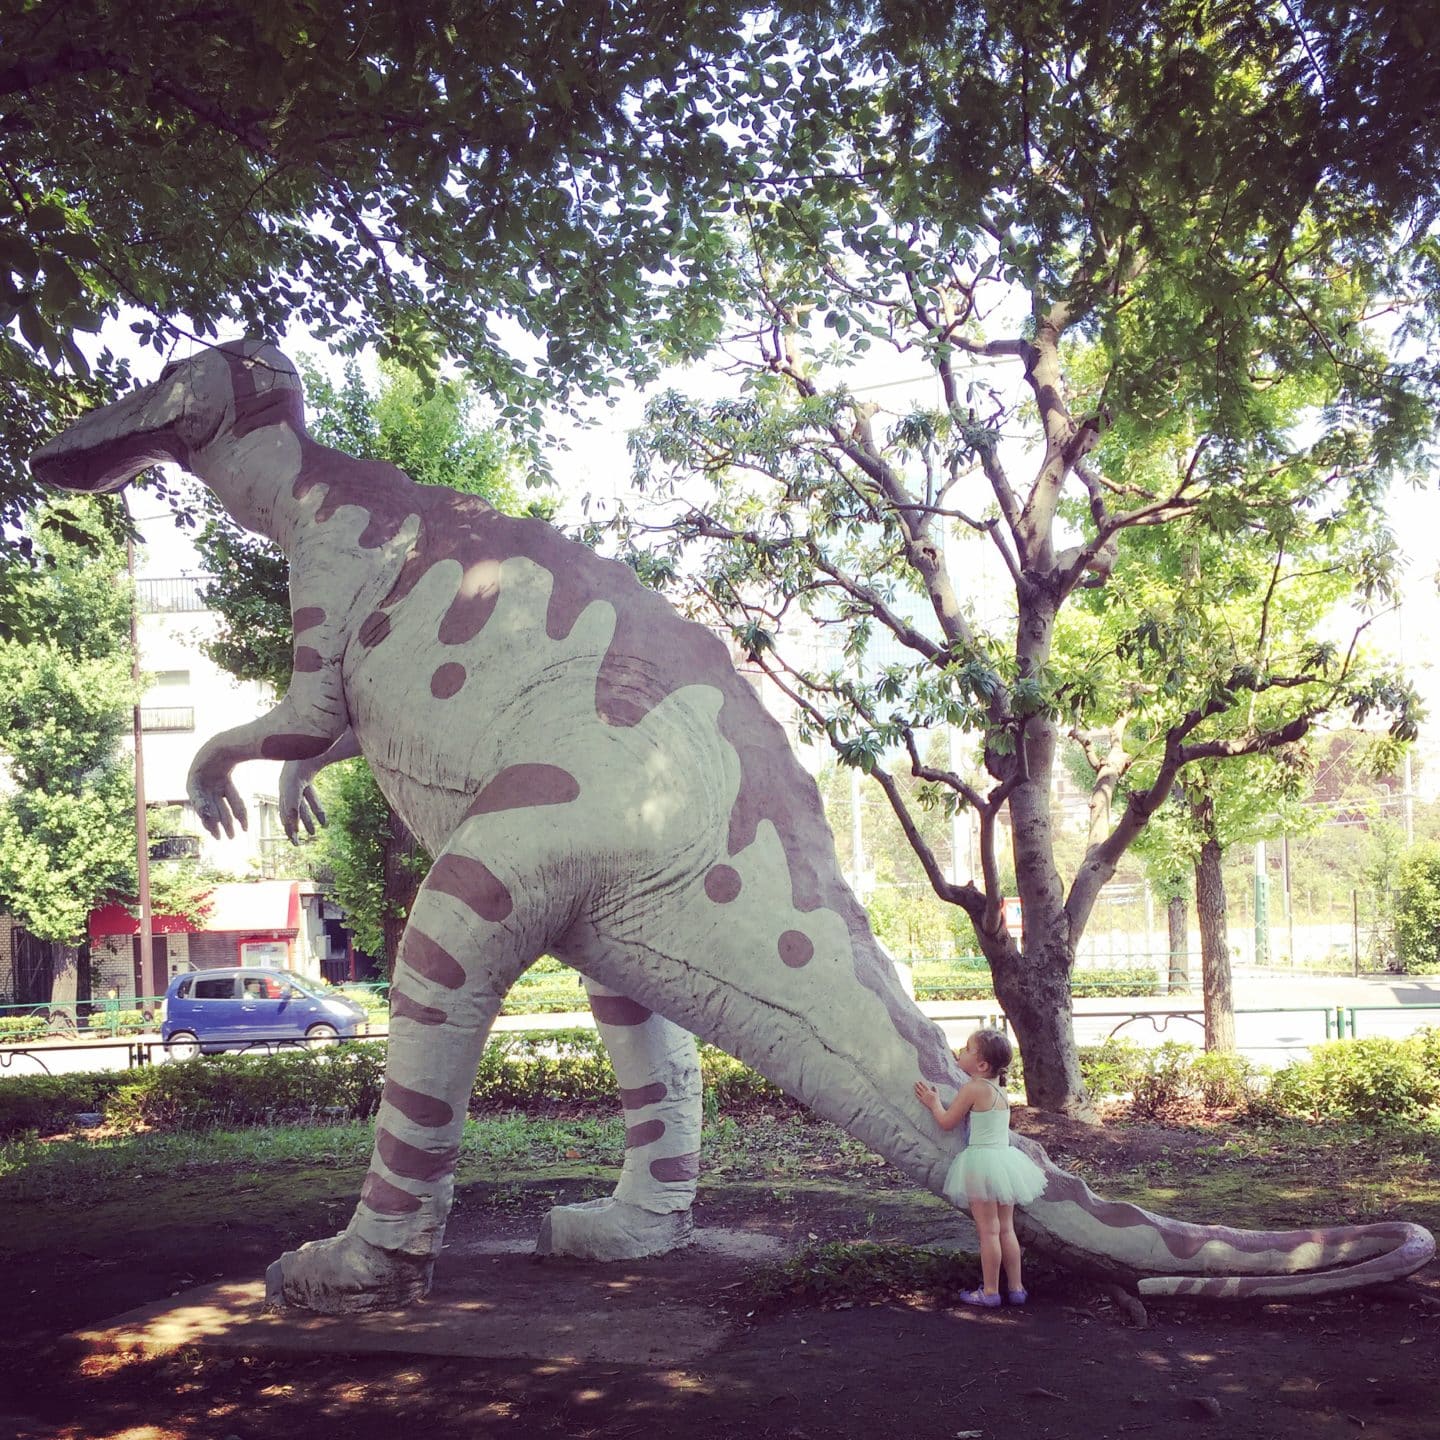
{"points": [[182, 1045], [318, 1035]]}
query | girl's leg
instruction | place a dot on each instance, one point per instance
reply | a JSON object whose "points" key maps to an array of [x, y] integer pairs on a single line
{"points": [[1009, 1246], [985, 1213]]}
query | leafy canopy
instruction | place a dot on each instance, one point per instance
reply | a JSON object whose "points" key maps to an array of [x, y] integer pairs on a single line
{"points": [[66, 831]]}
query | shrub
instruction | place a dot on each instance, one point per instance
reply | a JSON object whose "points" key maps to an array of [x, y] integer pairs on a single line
{"points": [[1224, 1080], [1163, 1078], [1417, 909], [1110, 1068], [1375, 1079], [969, 979], [1168, 1076], [21, 1027], [518, 1068], [252, 1089], [48, 1103]]}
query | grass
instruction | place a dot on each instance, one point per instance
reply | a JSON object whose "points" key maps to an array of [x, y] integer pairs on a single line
{"points": [[1279, 1176], [90, 1166], [101, 1192]]}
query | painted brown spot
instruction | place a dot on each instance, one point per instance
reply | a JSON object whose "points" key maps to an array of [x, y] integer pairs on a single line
{"points": [[473, 605], [722, 884], [447, 680], [473, 882], [647, 1132], [293, 747], [402, 1007], [411, 1161], [518, 787], [308, 617], [386, 1199], [651, 1094], [796, 948], [427, 957], [618, 1010], [676, 1167], [416, 1106], [307, 660], [373, 629]]}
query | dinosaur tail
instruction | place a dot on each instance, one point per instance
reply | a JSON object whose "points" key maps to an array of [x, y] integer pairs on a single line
{"points": [[1161, 1256]]}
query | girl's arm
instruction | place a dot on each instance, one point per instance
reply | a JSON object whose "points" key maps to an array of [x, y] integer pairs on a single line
{"points": [[947, 1117]]}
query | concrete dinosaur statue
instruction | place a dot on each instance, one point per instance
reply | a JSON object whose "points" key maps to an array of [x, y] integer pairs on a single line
{"points": [[595, 781]]}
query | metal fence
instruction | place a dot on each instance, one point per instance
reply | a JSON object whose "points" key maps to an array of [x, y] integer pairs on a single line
{"points": [[1301, 1027]]}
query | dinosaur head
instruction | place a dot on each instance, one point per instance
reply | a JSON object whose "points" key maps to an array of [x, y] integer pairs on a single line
{"points": [[230, 388]]}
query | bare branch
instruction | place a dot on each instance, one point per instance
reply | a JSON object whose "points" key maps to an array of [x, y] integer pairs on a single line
{"points": [[966, 896], [1265, 606]]}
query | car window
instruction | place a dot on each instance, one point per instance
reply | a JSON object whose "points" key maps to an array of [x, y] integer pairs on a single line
{"points": [[182, 989], [215, 989]]}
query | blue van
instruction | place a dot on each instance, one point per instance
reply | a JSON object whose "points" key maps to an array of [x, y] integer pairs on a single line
{"points": [[249, 1007]]}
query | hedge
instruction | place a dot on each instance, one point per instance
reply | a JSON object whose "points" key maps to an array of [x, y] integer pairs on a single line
{"points": [[956, 980], [517, 1069], [1374, 1080]]}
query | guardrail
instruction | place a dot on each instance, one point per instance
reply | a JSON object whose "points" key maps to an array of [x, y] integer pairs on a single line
{"points": [[141, 1051], [1339, 1022], [76, 1018], [1347, 1025]]}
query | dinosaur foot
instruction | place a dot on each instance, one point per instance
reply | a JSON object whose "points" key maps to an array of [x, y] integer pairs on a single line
{"points": [[345, 1275], [611, 1229]]}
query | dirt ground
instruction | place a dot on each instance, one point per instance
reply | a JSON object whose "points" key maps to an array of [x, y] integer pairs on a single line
{"points": [[1071, 1364]]}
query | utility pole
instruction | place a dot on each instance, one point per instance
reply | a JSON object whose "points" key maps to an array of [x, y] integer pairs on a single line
{"points": [[1289, 907], [1262, 906], [961, 868], [857, 833], [1409, 800], [142, 829]]}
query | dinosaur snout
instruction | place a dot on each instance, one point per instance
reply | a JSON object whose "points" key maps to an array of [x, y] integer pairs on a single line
{"points": [[109, 447]]}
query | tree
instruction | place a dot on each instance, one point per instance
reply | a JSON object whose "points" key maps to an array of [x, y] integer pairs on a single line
{"points": [[437, 438], [1189, 606], [1108, 238], [67, 840], [1417, 909]]}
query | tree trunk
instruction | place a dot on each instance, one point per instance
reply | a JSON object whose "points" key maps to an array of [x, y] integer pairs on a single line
{"points": [[1214, 942], [402, 882], [1034, 992], [1178, 921]]}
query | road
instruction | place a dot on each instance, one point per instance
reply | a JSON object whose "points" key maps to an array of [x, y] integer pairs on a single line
{"points": [[1289, 1016]]}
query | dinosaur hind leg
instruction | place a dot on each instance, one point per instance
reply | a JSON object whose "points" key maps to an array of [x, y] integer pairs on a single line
{"points": [[659, 1073], [465, 944]]}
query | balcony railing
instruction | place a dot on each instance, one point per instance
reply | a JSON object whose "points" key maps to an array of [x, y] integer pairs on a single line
{"points": [[171, 595], [168, 718]]}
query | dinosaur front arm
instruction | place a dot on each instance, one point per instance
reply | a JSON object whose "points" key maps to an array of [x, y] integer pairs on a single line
{"points": [[299, 804], [304, 726]]}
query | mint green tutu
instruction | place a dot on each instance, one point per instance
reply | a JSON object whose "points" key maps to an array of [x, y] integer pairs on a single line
{"points": [[990, 1167]]}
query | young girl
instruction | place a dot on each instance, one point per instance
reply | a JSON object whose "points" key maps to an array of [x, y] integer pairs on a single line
{"points": [[991, 1174]]}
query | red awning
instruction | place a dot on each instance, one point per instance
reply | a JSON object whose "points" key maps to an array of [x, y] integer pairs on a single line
{"points": [[249, 908]]}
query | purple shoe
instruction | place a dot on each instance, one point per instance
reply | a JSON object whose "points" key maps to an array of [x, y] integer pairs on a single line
{"points": [[1017, 1297], [986, 1299]]}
